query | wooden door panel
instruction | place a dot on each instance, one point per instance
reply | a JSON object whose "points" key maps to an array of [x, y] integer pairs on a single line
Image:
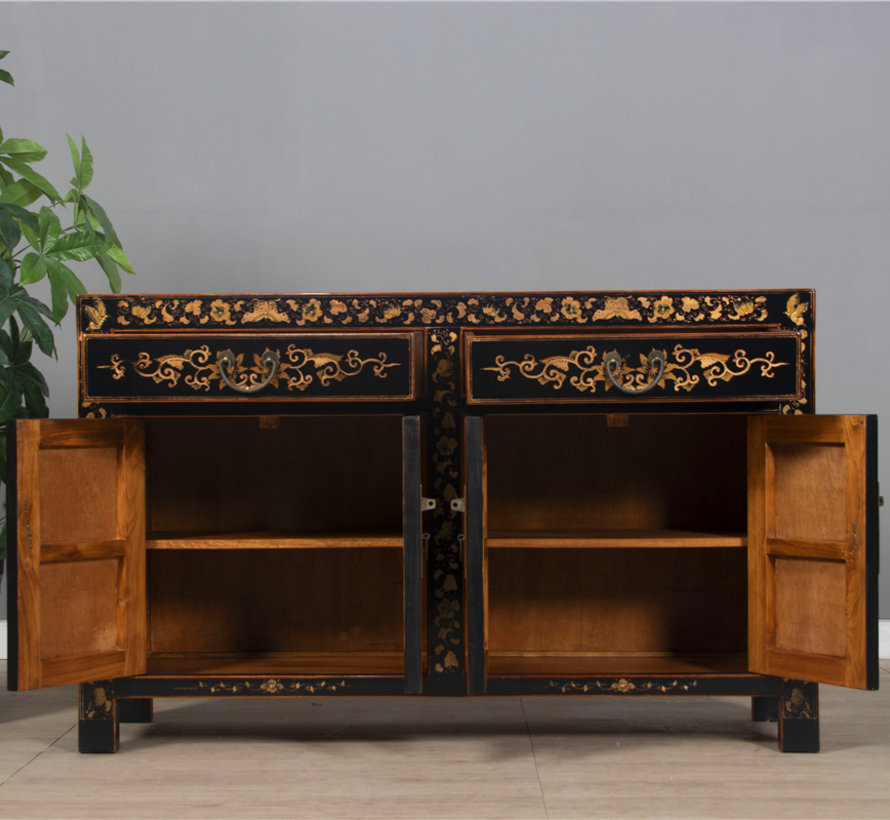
{"points": [[813, 546], [77, 556]]}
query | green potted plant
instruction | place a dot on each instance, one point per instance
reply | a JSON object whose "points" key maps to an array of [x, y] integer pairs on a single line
{"points": [[36, 245]]}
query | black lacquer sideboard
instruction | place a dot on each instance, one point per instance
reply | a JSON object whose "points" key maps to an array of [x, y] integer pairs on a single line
{"points": [[562, 494]]}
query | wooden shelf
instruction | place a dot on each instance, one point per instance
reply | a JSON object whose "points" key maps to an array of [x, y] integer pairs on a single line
{"points": [[627, 664], [608, 539], [273, 540], [278, 663]]}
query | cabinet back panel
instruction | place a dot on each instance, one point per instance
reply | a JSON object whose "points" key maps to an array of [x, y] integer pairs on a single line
{"points": [[234, 601], [575, 473], [307, 475], [617, 600]]}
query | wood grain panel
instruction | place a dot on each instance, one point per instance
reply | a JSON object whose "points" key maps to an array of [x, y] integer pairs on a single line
{"points": [[507, 663], [811, 494], [608, 539], [616, 601], [274, 541], [308, 475], [810, 483], [249, 601], [577, 474], [80, 485], [80, 551], [76, 609], [808, 595], [280, 663]]}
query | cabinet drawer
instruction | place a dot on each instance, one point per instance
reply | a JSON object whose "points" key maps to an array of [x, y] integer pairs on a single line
{"points": [[286, 367], [643, 367]]}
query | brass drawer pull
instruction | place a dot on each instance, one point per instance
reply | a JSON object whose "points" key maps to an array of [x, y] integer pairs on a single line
{"points": [[225, 360], [613, 362]]}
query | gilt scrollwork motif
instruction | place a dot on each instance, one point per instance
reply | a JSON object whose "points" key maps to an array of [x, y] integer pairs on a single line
{"points": [[583, 370], [622, 686], [298, 369], [269, 686]]}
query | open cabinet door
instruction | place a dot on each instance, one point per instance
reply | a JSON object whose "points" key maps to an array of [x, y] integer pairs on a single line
{"points": [[812, 546], [77, 551]]}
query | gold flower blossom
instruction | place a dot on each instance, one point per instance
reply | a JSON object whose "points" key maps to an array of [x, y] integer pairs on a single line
{"points": [[311, 310], [663, 308], [743, 307], [571, 308], [220, 311]]}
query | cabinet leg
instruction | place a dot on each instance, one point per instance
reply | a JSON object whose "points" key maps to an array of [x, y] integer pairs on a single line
{"points": [[98, 727], [799, 717], [764, 709], [135, 710]]}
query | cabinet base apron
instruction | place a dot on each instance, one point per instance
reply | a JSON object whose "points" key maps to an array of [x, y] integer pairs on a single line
{"points": [[104, 705]]}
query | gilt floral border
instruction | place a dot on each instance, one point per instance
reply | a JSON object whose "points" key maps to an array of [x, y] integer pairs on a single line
{"points": [[446, 634], [105, 313]]}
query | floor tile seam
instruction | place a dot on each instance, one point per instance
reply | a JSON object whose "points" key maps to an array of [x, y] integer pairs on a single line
{"points": [[45, 749], [531, 743]]}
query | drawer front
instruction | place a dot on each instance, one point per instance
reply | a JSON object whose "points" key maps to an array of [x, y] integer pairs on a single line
{"points": [[676, 367], [285, 367]]}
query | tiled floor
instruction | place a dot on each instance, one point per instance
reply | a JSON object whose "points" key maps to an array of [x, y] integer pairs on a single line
{"points": [[444, 758]]}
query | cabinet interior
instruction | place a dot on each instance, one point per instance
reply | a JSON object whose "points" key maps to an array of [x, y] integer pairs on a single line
{"points": [[616, 545], [275, 548]]}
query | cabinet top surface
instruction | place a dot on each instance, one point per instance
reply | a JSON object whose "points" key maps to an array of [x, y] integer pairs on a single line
{"points": [[789, 309]]}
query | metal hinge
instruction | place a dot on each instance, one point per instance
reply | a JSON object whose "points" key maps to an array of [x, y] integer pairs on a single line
{"points": [[458, 505], [426, 503]]}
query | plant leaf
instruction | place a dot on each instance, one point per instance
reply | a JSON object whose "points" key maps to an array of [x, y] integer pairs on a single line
{"points": [[37, 327], [6, 77], [21, 192], [83, 164], [25, 171], [33, 385], [50, 228], [75, 159], [7, 352], [10, 397], [110, 267], [95, 209], [32, 269], [23, 216], [10, 232], [23, 150], [116, 252], [6, 277], [64, 286], [78, 247]]}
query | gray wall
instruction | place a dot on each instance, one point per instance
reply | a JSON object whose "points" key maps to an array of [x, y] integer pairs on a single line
{"points": [[320, 147]]}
